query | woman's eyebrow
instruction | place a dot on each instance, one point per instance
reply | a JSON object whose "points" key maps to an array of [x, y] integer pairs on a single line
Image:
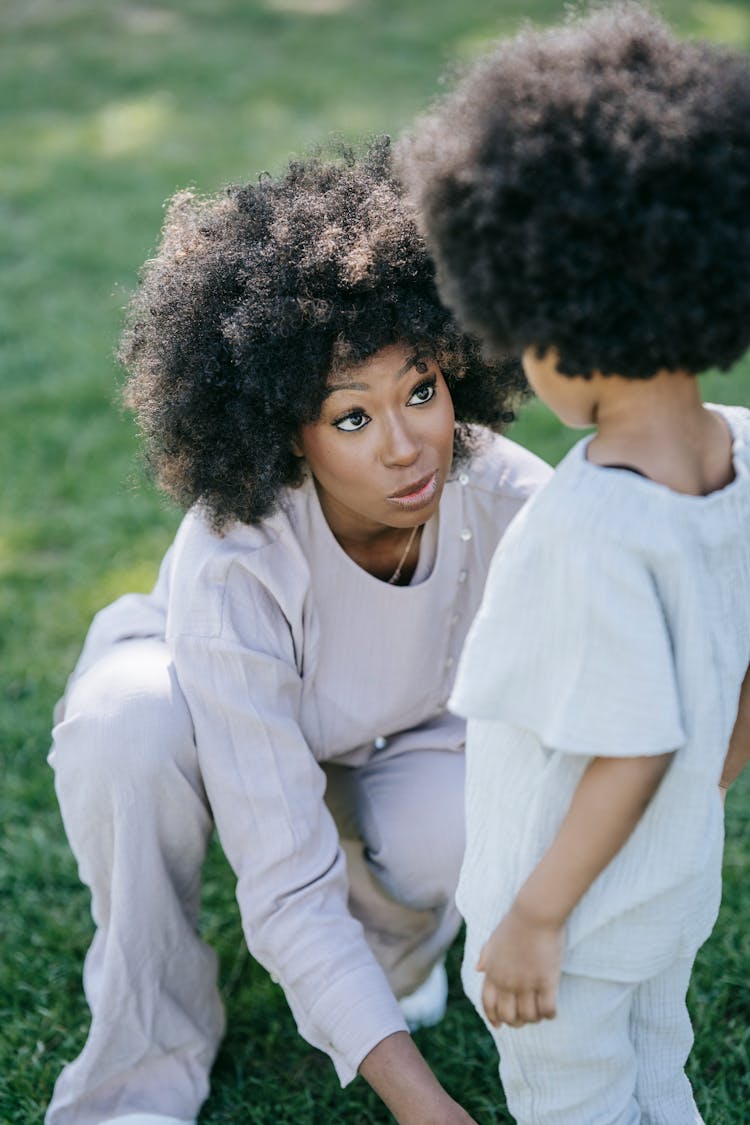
{"points": [[412, 360], [346, 387], [366, 386]]}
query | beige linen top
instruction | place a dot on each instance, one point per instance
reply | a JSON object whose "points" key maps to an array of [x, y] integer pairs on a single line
{"points": [[289, 654]]}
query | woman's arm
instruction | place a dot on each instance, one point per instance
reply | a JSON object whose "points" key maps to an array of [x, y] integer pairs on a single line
{"points": [[523, 957], [235, 635], [738, 754], [400, 1076]]}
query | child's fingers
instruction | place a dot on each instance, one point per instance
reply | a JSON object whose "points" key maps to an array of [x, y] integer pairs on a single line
{"points": [[546, 1003], [499, 1006], [489, 996], [527, 1007], [505, 1009]]}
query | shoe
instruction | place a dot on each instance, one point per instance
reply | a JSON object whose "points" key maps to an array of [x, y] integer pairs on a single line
{"points": [[426, 1005]]}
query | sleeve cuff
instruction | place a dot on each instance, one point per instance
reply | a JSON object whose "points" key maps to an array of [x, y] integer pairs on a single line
{"points": [[360, 1011]]}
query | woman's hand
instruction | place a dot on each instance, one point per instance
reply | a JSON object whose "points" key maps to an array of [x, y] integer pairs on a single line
{"points": [[522, 963], [398, 1073]]}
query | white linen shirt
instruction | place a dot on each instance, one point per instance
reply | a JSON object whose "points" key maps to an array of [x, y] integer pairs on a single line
{"points": [[289, 655], [615, 622]]}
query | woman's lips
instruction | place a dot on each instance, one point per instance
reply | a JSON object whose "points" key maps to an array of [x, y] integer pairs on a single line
{"points": [[416, 495]]}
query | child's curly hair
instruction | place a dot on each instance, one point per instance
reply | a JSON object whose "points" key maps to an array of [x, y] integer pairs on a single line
{"points": [[588, 188], [254, 297]]}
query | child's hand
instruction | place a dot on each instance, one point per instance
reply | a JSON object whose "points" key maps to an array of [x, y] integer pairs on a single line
{"points": [[522, 962]]}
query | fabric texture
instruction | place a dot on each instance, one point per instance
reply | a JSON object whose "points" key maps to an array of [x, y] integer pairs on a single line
{"points": [[614, 1055], [616, 621], [137, 819], [290, 657]]}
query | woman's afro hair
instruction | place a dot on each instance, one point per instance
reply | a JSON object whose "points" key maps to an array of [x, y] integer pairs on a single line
{"points": [[588, 188], [255, 296]]}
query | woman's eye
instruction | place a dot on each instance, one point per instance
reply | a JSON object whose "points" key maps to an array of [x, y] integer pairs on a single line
{"points": [[354, 421], [423, 393]]}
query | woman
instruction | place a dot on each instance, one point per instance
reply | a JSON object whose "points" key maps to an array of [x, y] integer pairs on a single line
{"points": [[298, 384]]}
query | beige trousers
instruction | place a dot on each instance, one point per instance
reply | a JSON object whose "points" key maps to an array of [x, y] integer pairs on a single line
{"points": [[138, 822]]}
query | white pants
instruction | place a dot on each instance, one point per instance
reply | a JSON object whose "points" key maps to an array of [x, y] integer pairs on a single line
{"points": [[138, 822], [614, 1054]]}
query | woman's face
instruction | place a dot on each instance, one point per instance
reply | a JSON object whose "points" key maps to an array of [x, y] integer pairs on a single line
{"points": [[382, 447]]}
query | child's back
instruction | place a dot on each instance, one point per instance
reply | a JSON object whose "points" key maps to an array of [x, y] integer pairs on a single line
{"points": [[629, 609]]}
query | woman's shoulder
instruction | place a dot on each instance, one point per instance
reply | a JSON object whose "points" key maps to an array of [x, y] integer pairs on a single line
{"points": [[503, 468], [246, 567], [198, 547]]}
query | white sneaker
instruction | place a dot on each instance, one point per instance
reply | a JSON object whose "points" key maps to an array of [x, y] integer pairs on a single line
{"points": [[148, 1119], [426, 1005]]}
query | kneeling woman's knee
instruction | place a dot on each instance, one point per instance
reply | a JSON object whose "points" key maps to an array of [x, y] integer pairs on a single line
{"points": [[125, 723], [418, 846]]}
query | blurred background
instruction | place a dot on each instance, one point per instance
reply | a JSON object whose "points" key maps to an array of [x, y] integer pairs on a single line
{"points": [[106, 109]]}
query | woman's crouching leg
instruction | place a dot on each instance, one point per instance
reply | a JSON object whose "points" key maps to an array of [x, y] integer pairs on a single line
{"points": [[138, 823], [402, 825]]}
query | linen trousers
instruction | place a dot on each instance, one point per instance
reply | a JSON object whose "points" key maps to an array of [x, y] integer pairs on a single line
{"points": [[138, 822], [613, 1055]]}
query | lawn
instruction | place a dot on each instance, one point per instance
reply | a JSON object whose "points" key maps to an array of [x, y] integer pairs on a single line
{"points": [[105, 110]]}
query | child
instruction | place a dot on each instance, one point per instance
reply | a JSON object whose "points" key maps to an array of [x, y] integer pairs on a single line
{"points": [[586, 192]]}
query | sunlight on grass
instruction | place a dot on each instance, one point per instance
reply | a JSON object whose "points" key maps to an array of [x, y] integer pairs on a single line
{"points": [[128, 127], [6, 555], [118, 129], [311, 7], [139, 577], [726, 23], [139, 20], [106, 110]]}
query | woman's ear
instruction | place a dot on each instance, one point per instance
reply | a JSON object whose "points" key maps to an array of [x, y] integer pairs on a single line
{"points": [[297, 446]]}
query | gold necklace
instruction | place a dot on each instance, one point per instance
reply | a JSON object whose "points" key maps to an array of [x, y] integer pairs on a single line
{"points": [[397, 572]]}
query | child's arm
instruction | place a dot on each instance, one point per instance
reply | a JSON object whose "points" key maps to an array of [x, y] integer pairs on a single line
{"points": [[738, 753], [523, 956]]}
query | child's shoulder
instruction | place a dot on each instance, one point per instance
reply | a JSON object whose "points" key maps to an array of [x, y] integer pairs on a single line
{"points": [[738, 420], [571, 501], [586, 512], [588, 509]]}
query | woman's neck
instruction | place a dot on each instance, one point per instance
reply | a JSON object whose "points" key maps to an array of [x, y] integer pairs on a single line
{"points": [[660, 427], [393, 560], [379, 549]]}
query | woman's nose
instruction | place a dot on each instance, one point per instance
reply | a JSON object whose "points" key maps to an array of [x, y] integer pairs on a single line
{"points": [[401, 446]]}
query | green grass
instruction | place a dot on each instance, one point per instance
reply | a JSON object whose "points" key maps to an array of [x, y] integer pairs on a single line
{"points": [[106, 109]]}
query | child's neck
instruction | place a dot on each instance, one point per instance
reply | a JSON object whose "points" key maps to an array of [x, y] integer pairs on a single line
{"points": [[660, 427]]}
